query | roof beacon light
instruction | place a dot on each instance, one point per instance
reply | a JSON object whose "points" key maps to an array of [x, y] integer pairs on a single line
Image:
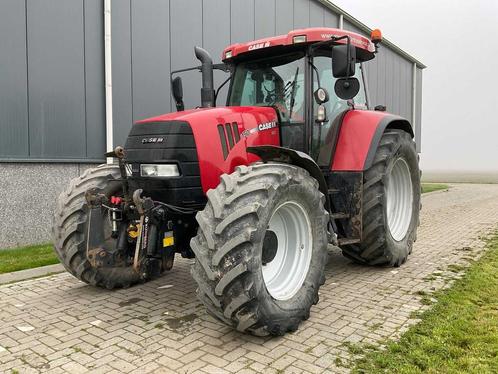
{"points": [[376, 36], [228, 54], [299, 39]]}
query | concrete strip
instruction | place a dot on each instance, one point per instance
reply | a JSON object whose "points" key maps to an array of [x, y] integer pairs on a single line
{"points": [[21, 275]]}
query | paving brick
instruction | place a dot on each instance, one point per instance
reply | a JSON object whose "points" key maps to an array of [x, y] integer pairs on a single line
{"points": [[74, 368], [122, 366], [357, 304]]}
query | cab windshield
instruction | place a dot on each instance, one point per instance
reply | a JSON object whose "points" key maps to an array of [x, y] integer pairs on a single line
{"points": [[277, 82]]}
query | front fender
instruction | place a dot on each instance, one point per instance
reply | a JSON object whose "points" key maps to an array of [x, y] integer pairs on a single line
{"points": [[291, 156], [359, 138]]}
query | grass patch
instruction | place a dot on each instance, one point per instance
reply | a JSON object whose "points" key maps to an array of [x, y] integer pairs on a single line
{"points": [[27, 258], [431, 187], [459, 334]]}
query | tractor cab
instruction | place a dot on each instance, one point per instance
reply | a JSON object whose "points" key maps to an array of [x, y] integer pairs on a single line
{"points": [[311, 77]]}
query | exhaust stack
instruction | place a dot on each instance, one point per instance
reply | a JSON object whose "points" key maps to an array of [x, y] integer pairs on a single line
{"points": [[207, 90]]}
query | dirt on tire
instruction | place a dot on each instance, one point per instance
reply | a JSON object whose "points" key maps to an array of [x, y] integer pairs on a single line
{"points": [[378, 247], [70, 230]]}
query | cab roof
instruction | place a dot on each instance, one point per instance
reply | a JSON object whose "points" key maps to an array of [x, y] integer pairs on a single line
{"points": [[308, 35]]}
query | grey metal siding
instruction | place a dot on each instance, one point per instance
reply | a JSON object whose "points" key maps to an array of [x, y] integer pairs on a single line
{"points": [[13, 80], [215, 37], [418, 110], [56, 79], [52, 94], [317, 14], [284, 16], [390, 81], [121, 70], [301, 14], [241, 21], [51, 80], [94, 79], [265, 18], [184, 36], [150, 91], [331, 19]]}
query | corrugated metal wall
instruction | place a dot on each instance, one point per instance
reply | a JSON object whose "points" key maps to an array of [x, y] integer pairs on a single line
{"points": [[51, 79], [52, 102]]}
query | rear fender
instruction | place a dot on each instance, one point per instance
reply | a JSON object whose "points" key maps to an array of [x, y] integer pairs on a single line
{"points": [[360, 136], [293, 157], [357, 144]]}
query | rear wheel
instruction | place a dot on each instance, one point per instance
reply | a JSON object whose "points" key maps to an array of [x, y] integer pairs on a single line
{"points": [[261, 248], [71, 226], [391, 203]]}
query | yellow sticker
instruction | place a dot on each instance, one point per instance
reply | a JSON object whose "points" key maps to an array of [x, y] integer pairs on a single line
{"points": [[133, 231], [168, 241]]}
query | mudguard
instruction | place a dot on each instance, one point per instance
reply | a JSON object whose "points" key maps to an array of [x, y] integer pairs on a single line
{"points": [[359, 138], [291, 156]]}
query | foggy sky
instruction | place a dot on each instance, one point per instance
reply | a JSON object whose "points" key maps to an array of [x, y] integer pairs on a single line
{"points": [[458, 41]]}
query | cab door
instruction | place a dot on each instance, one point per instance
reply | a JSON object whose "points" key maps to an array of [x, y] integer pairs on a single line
{"points": [[324, 134]]}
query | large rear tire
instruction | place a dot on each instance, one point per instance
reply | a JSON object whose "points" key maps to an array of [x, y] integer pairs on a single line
{"points": [[261, 248], [70, 230], [391, 203]]}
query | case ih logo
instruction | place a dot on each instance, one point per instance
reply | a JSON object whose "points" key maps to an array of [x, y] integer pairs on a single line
{"points": [[267, 126], [258, 46], [260, 127], [152, 140]]}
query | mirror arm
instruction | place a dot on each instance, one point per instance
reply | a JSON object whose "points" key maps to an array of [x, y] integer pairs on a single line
{"points": [[219, 88], [180, 106], [348, 57]]}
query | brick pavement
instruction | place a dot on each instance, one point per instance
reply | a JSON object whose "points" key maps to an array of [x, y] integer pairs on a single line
{"points": [[58, 324]]}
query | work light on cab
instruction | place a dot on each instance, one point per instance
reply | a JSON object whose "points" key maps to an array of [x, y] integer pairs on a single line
{"points": [[299, 39], [376, 36]]}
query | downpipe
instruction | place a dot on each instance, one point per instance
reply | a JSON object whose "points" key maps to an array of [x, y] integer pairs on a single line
{"points": [[108, 79]]}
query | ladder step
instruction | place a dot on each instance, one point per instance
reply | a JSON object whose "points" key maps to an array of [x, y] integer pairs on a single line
{"points": [[346, 241], [340, 215]]}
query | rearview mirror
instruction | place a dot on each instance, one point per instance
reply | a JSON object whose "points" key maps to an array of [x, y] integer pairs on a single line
{"points": [[347, 88], [343, 60], [177, 90]]}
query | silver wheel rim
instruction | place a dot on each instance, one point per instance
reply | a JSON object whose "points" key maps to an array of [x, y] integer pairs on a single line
{"points": [[285, 274], [399, 194]]}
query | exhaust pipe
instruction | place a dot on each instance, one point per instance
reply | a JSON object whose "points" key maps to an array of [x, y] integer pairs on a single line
{"points": [[207, 90]]}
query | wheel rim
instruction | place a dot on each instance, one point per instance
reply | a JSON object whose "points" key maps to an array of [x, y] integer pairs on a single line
{"points": [[399, 194], [286, 272]]}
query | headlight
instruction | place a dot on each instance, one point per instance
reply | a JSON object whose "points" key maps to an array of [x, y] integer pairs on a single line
{"points": [[159, 170]]}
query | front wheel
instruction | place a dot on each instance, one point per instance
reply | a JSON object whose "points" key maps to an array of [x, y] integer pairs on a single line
{"points": [[70, 230], [391, 203], [261, 248]]}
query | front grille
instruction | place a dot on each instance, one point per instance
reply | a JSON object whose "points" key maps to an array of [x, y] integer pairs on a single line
{"points": [[166, 142]]}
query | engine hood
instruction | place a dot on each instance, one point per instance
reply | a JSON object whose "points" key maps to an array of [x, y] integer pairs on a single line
{"points": [[222, 135], [218, 114]]}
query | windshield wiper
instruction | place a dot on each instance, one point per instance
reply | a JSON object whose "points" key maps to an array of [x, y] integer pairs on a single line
{"points": [[293, 93]]}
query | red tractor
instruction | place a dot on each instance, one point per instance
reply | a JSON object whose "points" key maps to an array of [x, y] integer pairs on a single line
{"points": [[255, 190]]}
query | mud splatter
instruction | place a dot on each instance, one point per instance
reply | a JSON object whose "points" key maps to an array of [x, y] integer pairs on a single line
{"points": [[178, 323], [130, 301]]}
